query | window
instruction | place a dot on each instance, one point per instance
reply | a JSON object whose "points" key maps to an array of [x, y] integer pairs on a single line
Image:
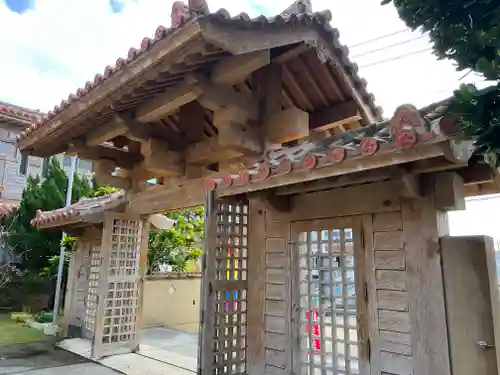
{"points": [[7, 148], [66, 161], [85, 164]]}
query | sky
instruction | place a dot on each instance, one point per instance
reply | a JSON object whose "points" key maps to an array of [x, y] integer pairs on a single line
{"points": [[50, 48]]}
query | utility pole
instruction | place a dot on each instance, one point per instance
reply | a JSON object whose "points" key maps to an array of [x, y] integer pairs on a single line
{"points": [[57, 298]]}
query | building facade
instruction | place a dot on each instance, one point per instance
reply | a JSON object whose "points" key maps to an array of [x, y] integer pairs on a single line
{"points": [[13, 120]]}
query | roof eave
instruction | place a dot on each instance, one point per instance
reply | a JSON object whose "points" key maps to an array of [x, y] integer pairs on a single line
{"points": [[95, 97]]}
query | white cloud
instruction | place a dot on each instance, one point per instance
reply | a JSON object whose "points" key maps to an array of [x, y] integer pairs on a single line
{"points": [[50, 51]]}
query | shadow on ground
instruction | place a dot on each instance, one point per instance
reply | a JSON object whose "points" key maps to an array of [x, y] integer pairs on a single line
{"points": [[42, 358]]}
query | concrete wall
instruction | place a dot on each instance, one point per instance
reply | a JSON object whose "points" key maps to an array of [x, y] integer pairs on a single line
{"points": [[172, 301]]}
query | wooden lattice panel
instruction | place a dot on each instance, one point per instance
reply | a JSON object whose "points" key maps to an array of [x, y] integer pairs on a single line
{"points": [[122, 299], [228, 270], [328, 328], [91, 300]]}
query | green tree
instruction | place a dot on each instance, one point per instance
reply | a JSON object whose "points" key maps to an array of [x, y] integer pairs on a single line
{"points": [[175, 245], [37, 247], [467, 32]]}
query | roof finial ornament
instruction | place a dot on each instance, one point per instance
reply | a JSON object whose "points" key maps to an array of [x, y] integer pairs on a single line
{"points": [[198, 7], [180, 14], [298, 7]]}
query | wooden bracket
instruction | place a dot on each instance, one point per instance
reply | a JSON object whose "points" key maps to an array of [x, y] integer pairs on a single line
{"points": [[449, 191]]}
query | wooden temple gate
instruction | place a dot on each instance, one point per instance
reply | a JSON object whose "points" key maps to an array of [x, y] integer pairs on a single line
{"points": [[326, 233]]}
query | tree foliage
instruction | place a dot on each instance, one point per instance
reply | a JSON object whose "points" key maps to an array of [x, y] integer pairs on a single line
{"points": [[467, 32], [177, 244], [38, 247]]}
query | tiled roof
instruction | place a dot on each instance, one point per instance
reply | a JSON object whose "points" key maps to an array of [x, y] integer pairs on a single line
{"points": [[407, 129], [7, 208], [321, 20], [16, 113], [77, 212]]}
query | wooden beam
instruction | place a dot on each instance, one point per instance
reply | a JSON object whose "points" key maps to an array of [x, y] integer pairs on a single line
{"points": [[287, 125], [191, 121], [118, 182], [208, 151], [236, 69], [240, 138], [337, 182], [106, 132], [269, 87], [104, 167], [486, 188], [169, 101], [215, 97], [449, 191], [291, 53], [122, 158], [160, 160], [338, 115], [230, 38], [135, 131]]}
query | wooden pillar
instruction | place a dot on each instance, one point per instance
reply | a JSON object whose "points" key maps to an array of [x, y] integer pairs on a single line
{"points": [[256, 289], [71, 296], [143, 269], [423, 225]]}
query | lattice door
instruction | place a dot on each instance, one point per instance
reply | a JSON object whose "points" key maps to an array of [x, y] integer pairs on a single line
{"points": [[91, 300], [225, 315], [121, 279], [327, 302]]}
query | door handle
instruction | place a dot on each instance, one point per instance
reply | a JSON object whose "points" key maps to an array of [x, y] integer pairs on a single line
{"points": [[484, 345]]}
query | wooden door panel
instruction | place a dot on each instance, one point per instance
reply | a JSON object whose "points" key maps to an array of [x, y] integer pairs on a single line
{"points": [[116, 327], [224, 325], [329, 293], [471, 295]]}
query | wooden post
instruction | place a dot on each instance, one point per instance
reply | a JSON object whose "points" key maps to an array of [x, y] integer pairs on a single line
{"points": [[206, 313], [256, 289], [423, 225], [143, 269]]}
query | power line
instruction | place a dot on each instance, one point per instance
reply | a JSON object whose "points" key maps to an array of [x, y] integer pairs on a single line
{"points": [[389, 46], [395, 58], [379, 38]]}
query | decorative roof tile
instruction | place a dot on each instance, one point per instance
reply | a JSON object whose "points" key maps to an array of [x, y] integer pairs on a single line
{"points": [[20, 114], [77, 212], [407, 129], [7, 208]]}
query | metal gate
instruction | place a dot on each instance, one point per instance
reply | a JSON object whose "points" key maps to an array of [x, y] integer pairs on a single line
{"points": [[224, 318], [325, 294], [116, 329]]}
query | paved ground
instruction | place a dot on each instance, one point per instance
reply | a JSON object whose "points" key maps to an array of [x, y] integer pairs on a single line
{"points": [[173, 341], [44, 359]]}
